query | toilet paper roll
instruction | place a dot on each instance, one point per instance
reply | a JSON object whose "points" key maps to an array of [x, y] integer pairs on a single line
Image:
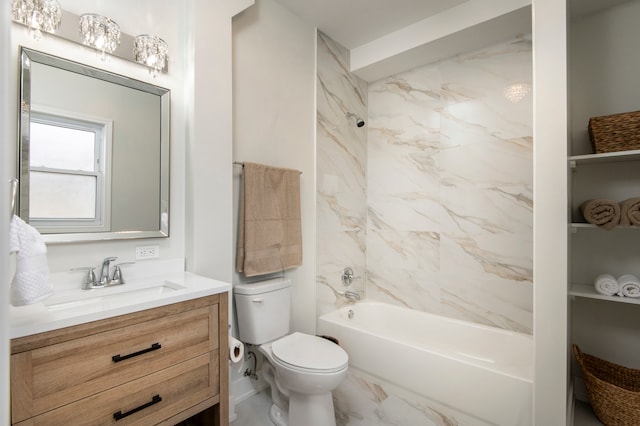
{"points": [[236, 353]]}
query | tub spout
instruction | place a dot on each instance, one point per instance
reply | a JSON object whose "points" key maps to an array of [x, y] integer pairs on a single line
{"points": [[351, 295]]}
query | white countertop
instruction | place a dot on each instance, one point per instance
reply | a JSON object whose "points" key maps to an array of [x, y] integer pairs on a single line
{"points": [[101, 303]]}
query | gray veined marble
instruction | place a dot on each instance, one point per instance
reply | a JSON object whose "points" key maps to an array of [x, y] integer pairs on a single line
{"points": [[434, 202], [431, 202]]}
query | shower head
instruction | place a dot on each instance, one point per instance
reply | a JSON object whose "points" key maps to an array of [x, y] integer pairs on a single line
{"points": [[359, 121]]}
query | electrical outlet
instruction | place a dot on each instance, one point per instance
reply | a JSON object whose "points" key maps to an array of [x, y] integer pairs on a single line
{"points": [[147, 252]]}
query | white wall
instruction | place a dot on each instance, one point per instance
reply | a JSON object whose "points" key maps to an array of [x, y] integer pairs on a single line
{"points": [[170, 21], [209, 135], [604, 68], [200, 58], [273, 121], [5, 175], [549, 216]]}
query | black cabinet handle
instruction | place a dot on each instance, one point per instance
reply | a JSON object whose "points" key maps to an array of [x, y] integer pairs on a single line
{"points": [[118, 358], [118, 415]]}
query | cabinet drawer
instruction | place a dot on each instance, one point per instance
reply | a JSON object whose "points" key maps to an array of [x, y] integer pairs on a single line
{"points": [[75, 369], [175, 389]]}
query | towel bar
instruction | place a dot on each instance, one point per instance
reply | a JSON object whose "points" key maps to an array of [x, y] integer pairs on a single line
{"points": [[14, 195], [241, 164]]}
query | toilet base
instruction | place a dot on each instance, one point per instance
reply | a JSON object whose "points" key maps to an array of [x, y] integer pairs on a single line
{"points": [[311, 410], [277, 416]]}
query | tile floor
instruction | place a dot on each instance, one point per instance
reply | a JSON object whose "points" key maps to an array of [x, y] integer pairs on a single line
{"points": [[254, 411]]}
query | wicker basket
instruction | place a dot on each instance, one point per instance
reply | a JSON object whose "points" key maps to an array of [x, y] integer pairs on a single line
{"points": [[614, 390], [617, 132]]}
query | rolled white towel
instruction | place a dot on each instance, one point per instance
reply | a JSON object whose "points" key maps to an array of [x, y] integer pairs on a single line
{"points": [[629, 285], [607, 285]]}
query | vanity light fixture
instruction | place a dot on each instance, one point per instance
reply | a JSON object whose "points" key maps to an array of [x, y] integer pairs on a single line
{"points": [[38, 15], [151, 51], [517, 91], [99, 32]]}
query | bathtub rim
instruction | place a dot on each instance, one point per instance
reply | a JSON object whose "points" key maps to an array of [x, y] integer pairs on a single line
{"points": [[335, 317]]}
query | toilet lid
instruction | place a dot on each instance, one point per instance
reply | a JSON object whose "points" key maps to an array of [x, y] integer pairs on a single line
{"points": [[310, 352]]}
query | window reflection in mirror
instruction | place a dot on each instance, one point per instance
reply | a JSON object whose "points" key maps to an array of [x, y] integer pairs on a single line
{"points": [[94, 152], [68, 159]]}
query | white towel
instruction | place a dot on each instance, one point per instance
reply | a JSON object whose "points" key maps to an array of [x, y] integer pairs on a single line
{"points": [[31, 283], [629, 285], [607, 285]]}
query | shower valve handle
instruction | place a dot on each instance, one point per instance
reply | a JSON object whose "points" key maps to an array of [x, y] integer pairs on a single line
{"points": [[347, 276]]}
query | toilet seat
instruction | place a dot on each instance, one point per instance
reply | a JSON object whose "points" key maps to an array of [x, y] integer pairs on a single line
{"points": [[309, 353]]}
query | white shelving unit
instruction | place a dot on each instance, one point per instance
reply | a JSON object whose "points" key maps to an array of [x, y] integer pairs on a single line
{"points": [[609, 157], [602, 80], [587, 290], [598, 251], [604, 326]]}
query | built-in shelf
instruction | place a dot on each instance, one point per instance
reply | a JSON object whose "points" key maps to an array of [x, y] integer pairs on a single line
{"points": [[586, 290], [609, 157], [582, 225], [584, 415]]}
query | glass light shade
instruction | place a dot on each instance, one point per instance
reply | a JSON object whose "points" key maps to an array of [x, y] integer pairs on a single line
{"points": [[99, 32], [38, 15], [517, 91], [151, 51]]}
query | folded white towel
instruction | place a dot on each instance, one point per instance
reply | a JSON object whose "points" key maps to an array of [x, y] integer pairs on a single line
{"points": [[629, 285], [31, 282], [607, 285]]}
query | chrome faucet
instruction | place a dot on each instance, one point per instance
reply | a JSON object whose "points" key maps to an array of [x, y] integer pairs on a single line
{"points": [[90, 282], [104, 275], [352, 296]]}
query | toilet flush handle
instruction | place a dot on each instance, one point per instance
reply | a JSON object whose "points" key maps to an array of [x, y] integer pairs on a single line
{"points": [[257, 300]]}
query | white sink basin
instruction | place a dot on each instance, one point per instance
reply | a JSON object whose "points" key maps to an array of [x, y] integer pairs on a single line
{"points": [[109, 297]]}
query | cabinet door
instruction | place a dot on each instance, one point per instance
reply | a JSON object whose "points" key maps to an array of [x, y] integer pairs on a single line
{"points": [[145, 401], [49, 377]]}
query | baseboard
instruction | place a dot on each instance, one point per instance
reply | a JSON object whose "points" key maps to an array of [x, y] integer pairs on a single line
{"points": [[232, 408], [245, 387]]}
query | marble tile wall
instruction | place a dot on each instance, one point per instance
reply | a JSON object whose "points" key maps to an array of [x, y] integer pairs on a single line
{"points": [[341, 172], [362, 400], [432, 203], [449, 188]]}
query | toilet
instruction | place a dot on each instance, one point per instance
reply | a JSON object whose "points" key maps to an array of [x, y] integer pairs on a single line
{"points": [[301, 369]]}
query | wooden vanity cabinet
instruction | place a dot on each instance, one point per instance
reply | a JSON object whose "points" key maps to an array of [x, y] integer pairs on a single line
{"points": [[157, 366]]}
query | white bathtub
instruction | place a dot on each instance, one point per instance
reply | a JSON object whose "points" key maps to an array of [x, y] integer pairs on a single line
{"points": [[482, 371]]}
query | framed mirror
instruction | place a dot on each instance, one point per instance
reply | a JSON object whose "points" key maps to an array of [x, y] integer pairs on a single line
{"points": [[93, 152]]}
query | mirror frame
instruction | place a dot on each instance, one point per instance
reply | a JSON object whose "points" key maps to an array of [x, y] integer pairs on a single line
{"points": [[27, 56]]}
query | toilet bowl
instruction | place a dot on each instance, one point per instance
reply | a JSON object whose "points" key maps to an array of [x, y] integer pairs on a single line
{"points": [[301, 369], [307, 368]]}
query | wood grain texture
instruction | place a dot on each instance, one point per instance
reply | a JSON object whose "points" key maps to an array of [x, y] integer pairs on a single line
{"points": [[181, 386], [21, 387], [222, 409], [39, 340], [62, 372]]}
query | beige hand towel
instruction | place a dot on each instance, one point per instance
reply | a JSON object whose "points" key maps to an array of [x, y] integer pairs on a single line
{"points": [[630, 211], [270, 231], [602, 212]]}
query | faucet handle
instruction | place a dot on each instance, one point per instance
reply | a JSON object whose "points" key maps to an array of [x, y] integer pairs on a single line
{"points": [[90, 278], [117, 273], [347, 276]]}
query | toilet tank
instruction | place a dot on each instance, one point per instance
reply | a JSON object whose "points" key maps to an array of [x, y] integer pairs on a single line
{"points": [[263, 310]]}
